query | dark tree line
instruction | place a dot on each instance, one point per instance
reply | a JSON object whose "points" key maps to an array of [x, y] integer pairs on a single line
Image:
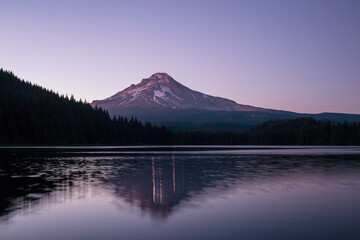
{"points": [[298, 131], [32, 115], [305, 131]]}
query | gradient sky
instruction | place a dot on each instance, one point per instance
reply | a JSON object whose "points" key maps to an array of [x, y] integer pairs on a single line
{"points": [[296, 55]]}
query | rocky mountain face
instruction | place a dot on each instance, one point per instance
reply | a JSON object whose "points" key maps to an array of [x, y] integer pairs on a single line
{"points": [[162, 91]]}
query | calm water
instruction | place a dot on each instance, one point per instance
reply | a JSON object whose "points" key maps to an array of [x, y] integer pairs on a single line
{"points": [[180, 193]]}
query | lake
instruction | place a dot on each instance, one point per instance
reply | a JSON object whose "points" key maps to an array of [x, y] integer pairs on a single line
{"points": [[185, 192]]}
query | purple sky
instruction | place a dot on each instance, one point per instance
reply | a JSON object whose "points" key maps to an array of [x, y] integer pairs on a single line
{"points": [[296, 55]]}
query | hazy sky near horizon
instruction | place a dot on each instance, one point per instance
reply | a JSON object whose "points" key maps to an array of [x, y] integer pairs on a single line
{"points": [[297, 55]]}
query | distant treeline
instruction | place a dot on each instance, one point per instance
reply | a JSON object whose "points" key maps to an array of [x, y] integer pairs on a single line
{"points": [[298, 131], [32, 115]]}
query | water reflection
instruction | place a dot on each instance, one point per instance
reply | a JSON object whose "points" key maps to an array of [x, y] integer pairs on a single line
{"points": [[30, 181]]}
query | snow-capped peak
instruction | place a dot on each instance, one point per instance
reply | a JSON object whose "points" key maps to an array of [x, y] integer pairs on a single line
{"points": [[161, 90]]}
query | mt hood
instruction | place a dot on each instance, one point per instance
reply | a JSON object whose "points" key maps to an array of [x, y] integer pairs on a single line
{"points": [[162, 91], [162, 100]]}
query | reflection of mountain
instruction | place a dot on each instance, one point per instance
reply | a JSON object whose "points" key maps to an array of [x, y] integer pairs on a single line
{"points": [[157, 184]]}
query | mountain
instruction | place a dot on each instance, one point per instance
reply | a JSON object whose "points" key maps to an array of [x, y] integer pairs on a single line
{"points": [[162, 100], [162, 91], [32, 115]]}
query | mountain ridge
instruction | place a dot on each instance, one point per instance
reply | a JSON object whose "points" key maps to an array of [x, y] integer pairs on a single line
{"points": [[164, 101], [160, 90]]}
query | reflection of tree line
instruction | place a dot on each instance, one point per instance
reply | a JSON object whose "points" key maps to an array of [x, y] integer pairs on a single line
{"points": [[27, 184], [155, 184]]}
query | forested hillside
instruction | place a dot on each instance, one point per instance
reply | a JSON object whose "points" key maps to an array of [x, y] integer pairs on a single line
{"points": [[297, 131], [305, 131], [30, 114]]}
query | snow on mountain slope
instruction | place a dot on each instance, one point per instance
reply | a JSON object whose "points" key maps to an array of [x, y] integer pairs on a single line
{"points": [[162, 91]]}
